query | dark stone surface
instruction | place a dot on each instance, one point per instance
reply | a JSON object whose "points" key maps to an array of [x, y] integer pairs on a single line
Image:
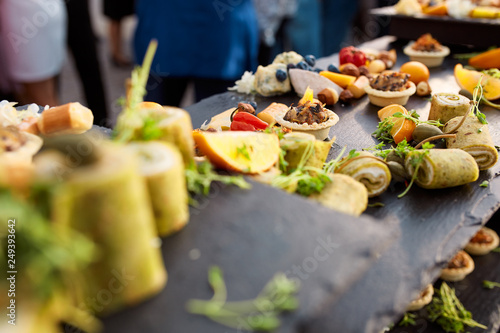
{"points": [[434, 224]]}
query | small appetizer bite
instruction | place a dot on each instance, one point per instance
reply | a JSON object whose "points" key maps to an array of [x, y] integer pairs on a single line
{"points": [[286, 58], [295, 145], [427, 50], [445, 106], [17, 146], [390, 88], [423, 299], [458, 268], [474, 138], [71, 118], [272, 80], [309, 116], [483, 242]]}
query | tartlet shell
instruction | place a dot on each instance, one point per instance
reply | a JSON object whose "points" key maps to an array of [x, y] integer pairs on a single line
{"points": [[478, 249], [430, 59], [384, 98], [420, 302], [458, 274], [320, 131]]}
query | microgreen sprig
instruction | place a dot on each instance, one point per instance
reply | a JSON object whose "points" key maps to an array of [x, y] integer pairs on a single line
{"points": [[408, 320], [477, 97], [260, 313], [490, 284], [416, 161], [448, 312]]}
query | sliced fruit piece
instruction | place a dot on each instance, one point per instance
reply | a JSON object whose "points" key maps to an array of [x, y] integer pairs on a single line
{"points": [[468, 79], [485, 12], [339, 79], [308, 96], [302, 79], [486, 60], [358, 87], [402, 128], [417, 70], [247, 152], [438, 10]]}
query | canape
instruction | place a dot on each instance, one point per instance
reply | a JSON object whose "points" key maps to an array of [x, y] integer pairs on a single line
{"points": [[423, 299], [427, 50], [390, 88], [458, 268], [483, 242]]}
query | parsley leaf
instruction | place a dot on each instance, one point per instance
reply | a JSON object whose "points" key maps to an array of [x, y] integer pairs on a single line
{"points": [[408, 320], [484, 183]]}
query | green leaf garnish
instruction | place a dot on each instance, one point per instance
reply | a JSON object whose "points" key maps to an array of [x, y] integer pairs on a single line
{"points": [[376, 204], [258, 314], [484, 183], [477, 96], [448, 312], [497, 250], [199, 178], [408, 320], [490, 284], [243, 151]]}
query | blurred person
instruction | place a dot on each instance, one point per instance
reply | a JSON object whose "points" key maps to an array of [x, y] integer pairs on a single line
{"points": [[116, 11], [273, 17], [33, 39], [82, 43], [210, 43]]}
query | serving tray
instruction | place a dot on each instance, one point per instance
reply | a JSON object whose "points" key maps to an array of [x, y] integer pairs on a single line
{"points": [[252, 234]]}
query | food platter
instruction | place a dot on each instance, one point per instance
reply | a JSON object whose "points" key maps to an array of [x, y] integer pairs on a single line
{"points": [[465, 31], [356, 292]]}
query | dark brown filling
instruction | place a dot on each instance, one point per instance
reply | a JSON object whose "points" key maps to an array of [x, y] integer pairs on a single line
{"points": [[459, 261], [391, 82], [482, 237], [307, 113], [427, 44]]}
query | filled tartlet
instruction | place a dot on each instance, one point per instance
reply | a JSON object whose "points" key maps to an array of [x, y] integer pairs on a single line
{"points": [[309, 116], [458, 268], [427, 50], [423, 299], [483, 242], [390, 88]]}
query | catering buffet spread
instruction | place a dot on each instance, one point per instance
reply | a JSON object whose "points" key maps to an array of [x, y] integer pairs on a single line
{"points": [[351, 204]]}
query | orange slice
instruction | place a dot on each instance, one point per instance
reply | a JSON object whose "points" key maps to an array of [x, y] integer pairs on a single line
{"points": [[468, 79], [403, 128], [247, 152], [485, 60], [340, 79], [438, 10]]}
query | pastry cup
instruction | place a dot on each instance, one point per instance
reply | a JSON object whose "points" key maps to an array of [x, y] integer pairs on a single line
{"points": [[320, 131], [383, 98], [423, 299], [458, 274], [481, 249], [430, 59]]}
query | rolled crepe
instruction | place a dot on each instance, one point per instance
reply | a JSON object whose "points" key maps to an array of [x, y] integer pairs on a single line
{"points": [[106, 199], [174, 123], [370, 171], [296, 145], [445, 106], [162, 167], [442, 168], [343, 194], [474, 138]]}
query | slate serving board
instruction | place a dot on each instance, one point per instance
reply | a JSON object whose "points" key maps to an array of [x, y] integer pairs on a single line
{"points": [[433, 225]]}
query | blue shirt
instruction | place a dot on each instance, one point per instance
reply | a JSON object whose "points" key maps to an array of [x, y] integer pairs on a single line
{"points": [[198, 38]]}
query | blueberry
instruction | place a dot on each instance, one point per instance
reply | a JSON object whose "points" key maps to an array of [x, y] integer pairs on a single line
{"points": [[310, 59], [291, 66], [332, 68], [281, 75], [253, 104], [302, 65], [317, 70]]}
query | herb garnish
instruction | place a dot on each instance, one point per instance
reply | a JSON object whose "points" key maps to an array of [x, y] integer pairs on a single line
{"points": [[199, 178], [448, 312], [376, 204], [259, 314], [484, 183], [497, 250], [304, 180], [416, 161], [408, 320], [243, 151], [490, 284], [477, 96]]}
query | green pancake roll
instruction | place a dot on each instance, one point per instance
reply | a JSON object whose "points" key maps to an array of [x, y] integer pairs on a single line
{"points": [[296, 145], [369, 170], [442, 168], [162, 167], [169, 124], [445, 106], [104, 197], [474, 138], [343, 194]]}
